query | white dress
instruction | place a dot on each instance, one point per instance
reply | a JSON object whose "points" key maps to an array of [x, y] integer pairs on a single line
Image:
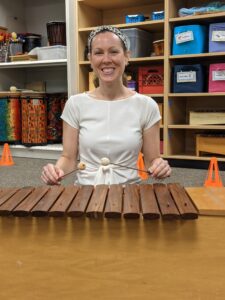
{"points": [[111, 129]]}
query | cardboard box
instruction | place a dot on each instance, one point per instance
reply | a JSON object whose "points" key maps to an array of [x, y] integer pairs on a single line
{"points": [[206, 117], [210, 144]]}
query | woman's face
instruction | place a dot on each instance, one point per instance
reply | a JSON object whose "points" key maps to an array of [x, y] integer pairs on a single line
{"points": [[108, 58]]}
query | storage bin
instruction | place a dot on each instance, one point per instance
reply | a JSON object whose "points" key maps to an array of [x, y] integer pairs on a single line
{"points": [[157, 15], [188, 79], [140, 41], [150, 79], [135, 18], [217, 77], [51, 52], [189, 39], [10, 117], [217, 37]]}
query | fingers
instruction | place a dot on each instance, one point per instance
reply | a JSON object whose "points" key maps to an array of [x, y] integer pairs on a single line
{"points": [[160, 168], [51, 174]]}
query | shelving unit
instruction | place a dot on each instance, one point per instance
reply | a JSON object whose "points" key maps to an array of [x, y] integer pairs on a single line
{"points": [[177, 134], [32, 16], [181, 143]]}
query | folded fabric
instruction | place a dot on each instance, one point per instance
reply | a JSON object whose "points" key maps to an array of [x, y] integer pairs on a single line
{"points": [[212, 7]]}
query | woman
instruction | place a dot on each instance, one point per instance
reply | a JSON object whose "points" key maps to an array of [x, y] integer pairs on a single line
{"points": [[111, 122]]}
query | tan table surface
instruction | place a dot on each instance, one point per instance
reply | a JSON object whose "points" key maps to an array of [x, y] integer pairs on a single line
{"points": [[64, 258]]}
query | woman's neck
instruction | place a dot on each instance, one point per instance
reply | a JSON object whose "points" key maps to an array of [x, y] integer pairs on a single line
{"points": [[109, 92]]}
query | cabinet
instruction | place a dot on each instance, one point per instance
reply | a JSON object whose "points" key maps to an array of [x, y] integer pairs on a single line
{"points": [[58, 75], [179, 137]]}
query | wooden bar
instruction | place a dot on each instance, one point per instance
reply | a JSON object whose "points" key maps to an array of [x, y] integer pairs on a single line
{"points": [[7, 207], [96, 205], [6, 194], [62, 203], [114, 202], [24, 208], [184, 204], [43, 206], [166, 204], [131, 206], [79, 204], [149, 206]]}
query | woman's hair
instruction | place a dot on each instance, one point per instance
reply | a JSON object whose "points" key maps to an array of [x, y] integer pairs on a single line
{"points": [[123, 37]]}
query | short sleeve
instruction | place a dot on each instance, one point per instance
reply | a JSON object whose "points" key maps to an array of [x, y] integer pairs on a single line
{"points": [[151, 114], [71, 113]]}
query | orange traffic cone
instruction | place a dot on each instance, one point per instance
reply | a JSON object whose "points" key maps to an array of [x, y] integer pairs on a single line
{"points": [[141, 166], [6, 159], [215, 180]]}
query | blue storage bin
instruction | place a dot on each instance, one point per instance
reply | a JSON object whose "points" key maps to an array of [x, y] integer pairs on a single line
{"points": [[190, 39], [135, 18], [188, 79], [158, 15], [217, 37]]}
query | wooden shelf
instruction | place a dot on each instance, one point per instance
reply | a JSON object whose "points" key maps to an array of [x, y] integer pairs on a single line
{"points": [[201, 55], [50, 151], [193, 157], [132, 60], [190, 127], [177, 134], [147, 25], [34, 64], [103, 4], [203, 17], [196, 94]]}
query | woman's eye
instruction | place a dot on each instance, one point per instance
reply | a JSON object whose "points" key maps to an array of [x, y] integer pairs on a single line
{"points": [[114, 51]]}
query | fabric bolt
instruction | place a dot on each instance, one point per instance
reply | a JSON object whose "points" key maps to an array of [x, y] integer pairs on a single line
{"points": [[111, 129]]}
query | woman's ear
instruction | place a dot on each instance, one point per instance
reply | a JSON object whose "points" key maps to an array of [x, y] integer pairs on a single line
{"points": [[89, 56]]}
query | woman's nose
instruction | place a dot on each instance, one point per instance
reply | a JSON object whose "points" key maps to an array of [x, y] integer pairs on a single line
{"points": [[106, 57]]}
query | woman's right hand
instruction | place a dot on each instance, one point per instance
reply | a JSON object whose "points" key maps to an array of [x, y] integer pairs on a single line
{"points": [[51, 174]]}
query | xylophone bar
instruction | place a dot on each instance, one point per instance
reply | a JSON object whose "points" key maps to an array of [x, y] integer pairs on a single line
{"points": [[132, 201]]}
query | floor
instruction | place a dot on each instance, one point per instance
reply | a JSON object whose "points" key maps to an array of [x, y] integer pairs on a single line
{"points": [[26, 172]]}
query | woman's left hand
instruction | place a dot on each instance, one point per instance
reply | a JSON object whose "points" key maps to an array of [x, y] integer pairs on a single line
{"points": [[160, 168]]}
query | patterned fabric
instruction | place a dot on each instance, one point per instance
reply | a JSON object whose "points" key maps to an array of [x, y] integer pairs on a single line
{"points": [[112, 29]]}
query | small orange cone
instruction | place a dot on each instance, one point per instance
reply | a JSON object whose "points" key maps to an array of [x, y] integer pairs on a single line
{"points": [[6, 159], [215, 180], [141, 166]]}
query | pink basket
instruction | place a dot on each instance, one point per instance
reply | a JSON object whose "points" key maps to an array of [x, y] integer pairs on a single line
{"points": [[217, 77]]}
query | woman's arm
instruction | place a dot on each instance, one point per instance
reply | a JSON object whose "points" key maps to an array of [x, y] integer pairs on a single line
{"points": [[51, 173], [158, 167]]}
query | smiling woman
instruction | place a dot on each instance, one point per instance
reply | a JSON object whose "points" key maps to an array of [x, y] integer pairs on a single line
{"points": [[111, 122]]}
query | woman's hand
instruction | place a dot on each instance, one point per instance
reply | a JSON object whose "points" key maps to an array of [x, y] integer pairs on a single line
{"points": [[51, 174], [160, 168]]}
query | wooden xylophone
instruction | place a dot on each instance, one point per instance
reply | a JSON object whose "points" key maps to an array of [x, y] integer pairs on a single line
{"points": [[131, 201]]}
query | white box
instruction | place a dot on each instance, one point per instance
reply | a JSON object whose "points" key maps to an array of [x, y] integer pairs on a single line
{"points": [[51, 52]]}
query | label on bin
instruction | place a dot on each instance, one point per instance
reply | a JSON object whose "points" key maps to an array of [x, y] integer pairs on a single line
{"points": [[218, 75], [184, 37], [218, 36], [189, 76]]}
